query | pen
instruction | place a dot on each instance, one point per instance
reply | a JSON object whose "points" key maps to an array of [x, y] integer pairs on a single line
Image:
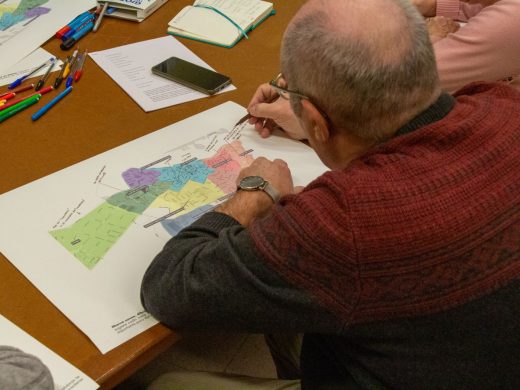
{"points": [[19, 107], [42, 91], [243, 119], [59, 79], [40, 83], [49, 105], [70, 78], [70, 64], [20, 80], [79, 69], [248, 115], [66, 45], [100, 16]]}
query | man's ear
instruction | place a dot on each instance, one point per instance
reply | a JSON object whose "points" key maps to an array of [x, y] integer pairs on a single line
{"points": [[317, 124]]}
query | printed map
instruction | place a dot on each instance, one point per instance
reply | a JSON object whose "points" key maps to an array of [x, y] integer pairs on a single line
{"points": [[24, 12], [185, 183]]}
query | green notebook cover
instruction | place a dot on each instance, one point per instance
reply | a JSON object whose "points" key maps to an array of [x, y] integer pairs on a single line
{"points": [[239, 38]]}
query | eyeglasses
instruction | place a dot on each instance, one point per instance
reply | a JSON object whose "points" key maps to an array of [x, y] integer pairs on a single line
{"points": [[280, 86]]}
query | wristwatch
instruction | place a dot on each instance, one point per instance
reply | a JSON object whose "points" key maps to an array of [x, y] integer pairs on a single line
{"points": [[257, 183]]}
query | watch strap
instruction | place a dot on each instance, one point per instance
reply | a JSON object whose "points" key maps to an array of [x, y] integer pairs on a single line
{"points": [[257, 183], [271, 191]]}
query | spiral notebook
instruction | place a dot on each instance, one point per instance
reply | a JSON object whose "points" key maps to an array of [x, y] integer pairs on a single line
{"points": [[220, 22]]}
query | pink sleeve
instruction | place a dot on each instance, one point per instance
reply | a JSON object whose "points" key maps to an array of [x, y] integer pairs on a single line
{"points": [[457, 10], [486, 49]]}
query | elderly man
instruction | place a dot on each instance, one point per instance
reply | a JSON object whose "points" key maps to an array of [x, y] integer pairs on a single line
{"points": [[401, 266]]}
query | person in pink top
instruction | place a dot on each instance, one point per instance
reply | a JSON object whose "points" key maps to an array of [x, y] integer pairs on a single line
{"points": [[486, 48]]}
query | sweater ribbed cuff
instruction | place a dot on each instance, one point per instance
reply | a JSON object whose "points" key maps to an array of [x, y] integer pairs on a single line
{"points": [[448, 8], [216, 221]]}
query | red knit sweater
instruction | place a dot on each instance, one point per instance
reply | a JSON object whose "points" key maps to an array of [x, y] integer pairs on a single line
{"points": [[426, 221]]}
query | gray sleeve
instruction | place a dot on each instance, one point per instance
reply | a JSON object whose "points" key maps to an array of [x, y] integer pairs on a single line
{"points": [[19, 370], [210, 276]]}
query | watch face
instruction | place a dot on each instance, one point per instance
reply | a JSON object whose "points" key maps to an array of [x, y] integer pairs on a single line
{"points": [[251, 182]]}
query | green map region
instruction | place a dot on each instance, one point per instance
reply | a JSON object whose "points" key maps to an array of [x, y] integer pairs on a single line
{"points": [[184, 189]]}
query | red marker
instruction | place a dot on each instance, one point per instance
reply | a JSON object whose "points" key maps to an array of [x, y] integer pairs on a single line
{"points": [[8, 96], [62, 31], [21, 89], [42, 91]]}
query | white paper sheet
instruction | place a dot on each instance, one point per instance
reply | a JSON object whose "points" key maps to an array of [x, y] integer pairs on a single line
{"points": [[26, 25], [130, 67], [85, 235], [64, 374], [26, 65]]}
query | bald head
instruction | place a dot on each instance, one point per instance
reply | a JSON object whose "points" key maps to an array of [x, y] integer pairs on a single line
{"points": [[369, 64], [379, 23]]}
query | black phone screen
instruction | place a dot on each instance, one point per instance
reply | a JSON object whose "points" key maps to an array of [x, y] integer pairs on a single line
{"points": [[192, 75]]}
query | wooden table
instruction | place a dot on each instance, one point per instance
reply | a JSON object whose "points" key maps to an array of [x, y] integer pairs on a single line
{"points": [[97, 117]]}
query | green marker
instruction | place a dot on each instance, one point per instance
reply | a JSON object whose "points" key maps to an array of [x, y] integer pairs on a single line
{"points": [[37, 96], [19, 107]]}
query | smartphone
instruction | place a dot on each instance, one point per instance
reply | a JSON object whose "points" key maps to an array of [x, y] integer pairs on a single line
{"points": [[191, 75]]}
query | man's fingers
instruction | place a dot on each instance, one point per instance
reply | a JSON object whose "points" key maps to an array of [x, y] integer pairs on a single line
{"points": [[264, 93]]}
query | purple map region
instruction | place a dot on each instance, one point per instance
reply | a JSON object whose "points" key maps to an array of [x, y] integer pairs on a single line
{"points": [[38, 11], [135, 177]]}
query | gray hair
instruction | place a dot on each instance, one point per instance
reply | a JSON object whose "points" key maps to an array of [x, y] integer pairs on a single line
{"points": [[370, 82]]}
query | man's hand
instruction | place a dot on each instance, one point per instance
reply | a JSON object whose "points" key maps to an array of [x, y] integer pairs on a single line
{"points": [[269, 111], [276, 172], [426, 7], [245, 206], [440, 26]]}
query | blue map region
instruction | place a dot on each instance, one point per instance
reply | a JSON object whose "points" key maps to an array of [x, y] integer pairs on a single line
{"points": [[174, 226], [180, 174]]}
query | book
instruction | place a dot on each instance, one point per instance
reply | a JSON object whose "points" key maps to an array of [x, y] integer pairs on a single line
{"points": [[136, 10], [220, 22]]}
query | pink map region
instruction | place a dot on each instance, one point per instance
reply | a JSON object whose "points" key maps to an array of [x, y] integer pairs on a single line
{"points": [[225, 174]]}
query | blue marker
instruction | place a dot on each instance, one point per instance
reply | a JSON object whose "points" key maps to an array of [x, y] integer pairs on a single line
{"points": [[77, 25], [67, 27], [77, 36], [49, 105]]}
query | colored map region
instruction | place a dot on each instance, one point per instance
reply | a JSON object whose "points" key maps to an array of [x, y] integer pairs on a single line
{"points": [[184, 190], [24, 11]]}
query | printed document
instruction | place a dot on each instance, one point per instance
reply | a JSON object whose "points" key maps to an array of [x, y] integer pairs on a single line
{"points": [[130, 67], [64, 374]]}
